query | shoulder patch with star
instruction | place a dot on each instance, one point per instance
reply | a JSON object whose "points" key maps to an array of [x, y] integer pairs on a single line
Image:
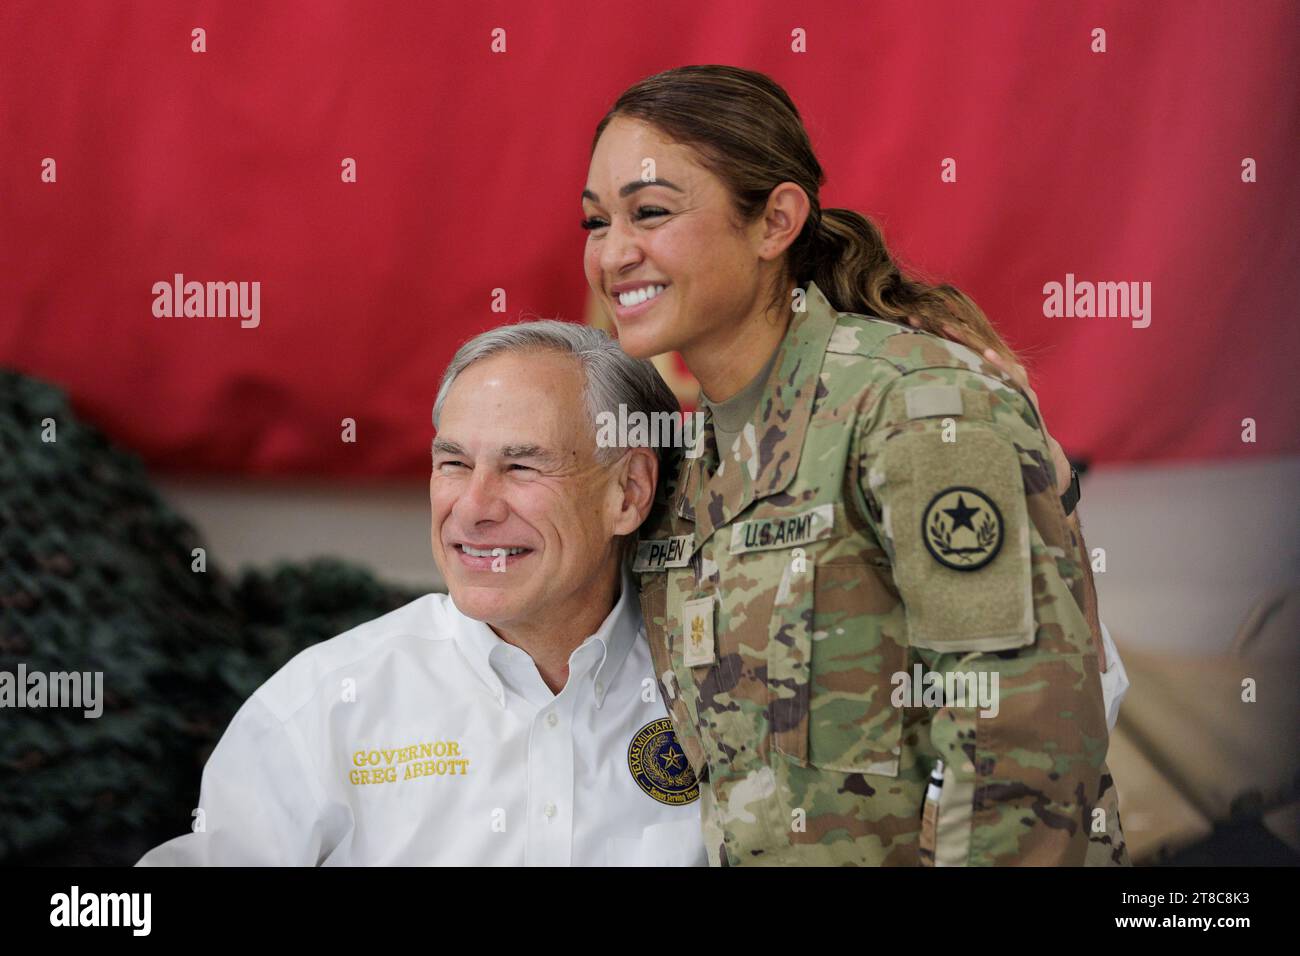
{"points": [[962, 528]]}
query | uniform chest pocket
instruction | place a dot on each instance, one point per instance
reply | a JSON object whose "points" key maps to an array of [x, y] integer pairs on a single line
{"points": [[660, 624], [831, 661]]}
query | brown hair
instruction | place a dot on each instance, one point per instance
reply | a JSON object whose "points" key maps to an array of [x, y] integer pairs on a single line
{"points": [[746, 130]]}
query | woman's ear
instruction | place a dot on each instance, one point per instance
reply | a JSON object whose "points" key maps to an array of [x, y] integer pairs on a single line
{"points": [[787, 211]]}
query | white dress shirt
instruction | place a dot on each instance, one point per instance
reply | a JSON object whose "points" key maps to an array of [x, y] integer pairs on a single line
{"points": [[1114, 679], [477, 761]]}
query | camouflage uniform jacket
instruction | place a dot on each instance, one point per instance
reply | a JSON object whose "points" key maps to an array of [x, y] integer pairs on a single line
{"points": [[891, 510]]}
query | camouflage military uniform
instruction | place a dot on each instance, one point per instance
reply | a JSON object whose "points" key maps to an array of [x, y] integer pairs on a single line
{"points": [[892, 504]]}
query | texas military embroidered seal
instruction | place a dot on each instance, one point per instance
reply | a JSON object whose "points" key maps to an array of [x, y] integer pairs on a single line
{"points": [[659, 766], [962, 528]]}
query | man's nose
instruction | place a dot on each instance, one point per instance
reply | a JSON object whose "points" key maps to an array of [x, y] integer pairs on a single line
{"points": [[621, 248], [481, 499]]}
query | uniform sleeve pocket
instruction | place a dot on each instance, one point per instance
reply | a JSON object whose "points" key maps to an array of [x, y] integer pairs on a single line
{"points": [[829, 671], [956, 517]]}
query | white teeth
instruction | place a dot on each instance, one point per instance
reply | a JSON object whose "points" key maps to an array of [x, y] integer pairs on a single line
{"points": [[490, 552], [637, 296]]}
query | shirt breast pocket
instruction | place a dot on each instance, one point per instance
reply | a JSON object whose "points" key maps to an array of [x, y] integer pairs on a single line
{"points": [[671, 843], [831, 665]]}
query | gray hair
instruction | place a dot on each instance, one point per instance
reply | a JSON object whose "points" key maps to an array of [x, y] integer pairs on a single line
{"points": [[613, 377]]}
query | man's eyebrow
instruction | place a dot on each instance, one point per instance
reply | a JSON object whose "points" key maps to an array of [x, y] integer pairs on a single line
{"points": [[529, 451], [632, 187], [443, 446], [446, 447]]}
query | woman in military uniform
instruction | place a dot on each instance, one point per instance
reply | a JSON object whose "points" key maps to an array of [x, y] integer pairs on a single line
{"points": [[870, 617]]}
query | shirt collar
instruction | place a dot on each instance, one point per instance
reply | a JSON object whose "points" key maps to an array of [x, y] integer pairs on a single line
{"points": [[621, 627], [476, 641], [772, 442], [617, 631]]}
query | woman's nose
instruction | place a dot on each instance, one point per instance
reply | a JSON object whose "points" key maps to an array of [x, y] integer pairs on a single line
{"points": [[621, 246]]}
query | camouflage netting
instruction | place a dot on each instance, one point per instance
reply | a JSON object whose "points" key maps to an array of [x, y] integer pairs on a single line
{"points": [[95, 575]]}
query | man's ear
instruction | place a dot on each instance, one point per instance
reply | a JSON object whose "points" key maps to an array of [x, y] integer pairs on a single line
{"points": [[638, 473]]}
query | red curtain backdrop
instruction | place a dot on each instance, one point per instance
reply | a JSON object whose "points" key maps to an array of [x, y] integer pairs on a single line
{"points": [[1122, 166]]}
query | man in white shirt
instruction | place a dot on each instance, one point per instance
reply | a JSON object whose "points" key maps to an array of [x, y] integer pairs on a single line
{"points": [[515, 721]]}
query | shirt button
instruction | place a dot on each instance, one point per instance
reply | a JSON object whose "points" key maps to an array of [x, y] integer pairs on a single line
{"points": [[600, 689], [552, 719], [549, 810]]}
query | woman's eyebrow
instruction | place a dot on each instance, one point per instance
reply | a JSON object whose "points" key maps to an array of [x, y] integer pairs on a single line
{"points": [[632, 187]]}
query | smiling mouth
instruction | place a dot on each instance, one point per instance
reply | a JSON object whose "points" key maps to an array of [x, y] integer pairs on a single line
{"points": [[632, 305], [634, 298], [510, 551]]}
